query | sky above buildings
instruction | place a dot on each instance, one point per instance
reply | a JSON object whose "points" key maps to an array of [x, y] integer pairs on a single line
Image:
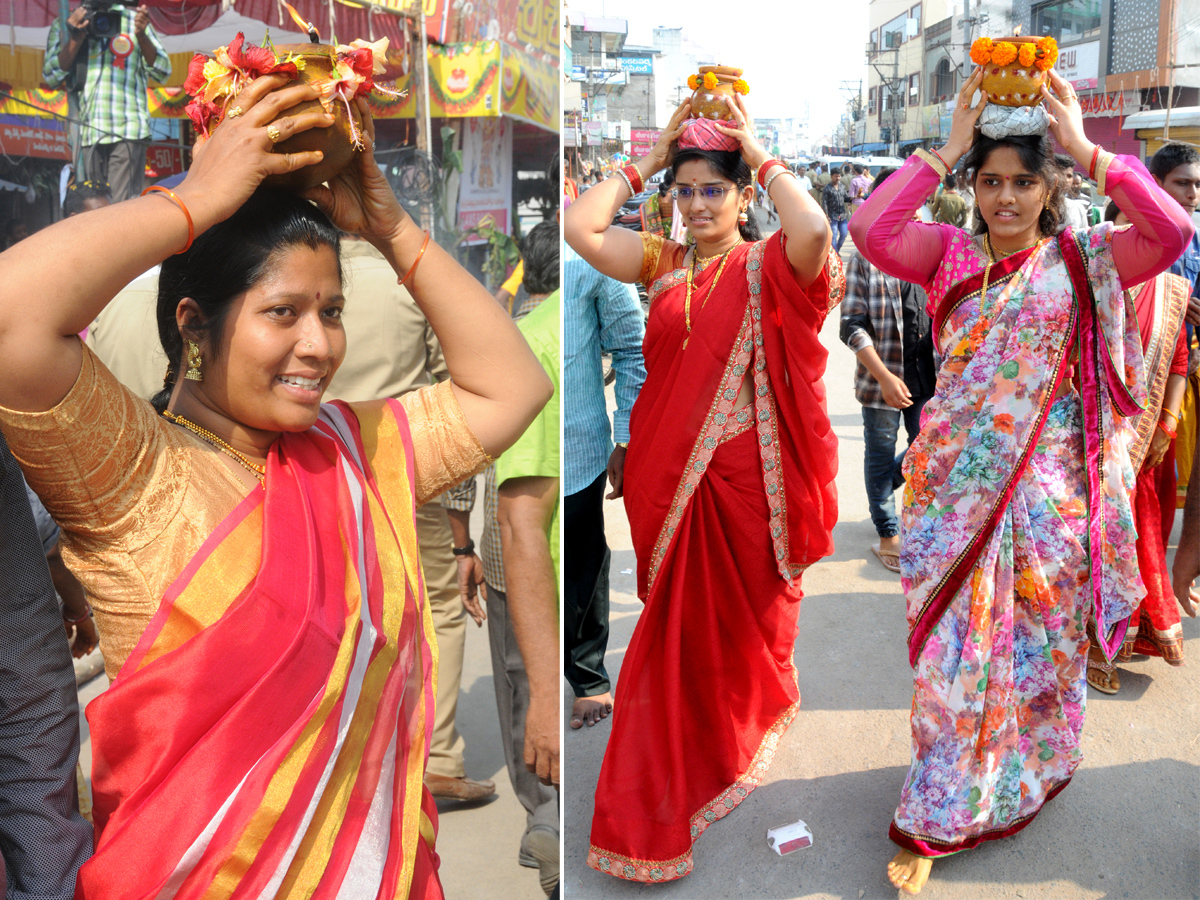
{"points": [[791, 52]]}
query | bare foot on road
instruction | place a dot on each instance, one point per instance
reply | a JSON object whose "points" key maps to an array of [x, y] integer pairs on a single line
{"points": [[909, 872], [590, 710]]}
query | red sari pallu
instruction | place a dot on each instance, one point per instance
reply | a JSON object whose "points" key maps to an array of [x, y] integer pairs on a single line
{"points": [[1155, 628], [268, 735], [726, 509]]}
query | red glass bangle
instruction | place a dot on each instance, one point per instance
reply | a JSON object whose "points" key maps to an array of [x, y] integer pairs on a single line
{"points": [[765, 167], [939, 158], [635, 178], [1165, 430], [416, 262], [191, 228], [87, 611], [1092, 167]]}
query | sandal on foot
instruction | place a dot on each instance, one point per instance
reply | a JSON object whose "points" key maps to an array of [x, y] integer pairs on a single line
{"points": [[891, 561], [1108, 670]]}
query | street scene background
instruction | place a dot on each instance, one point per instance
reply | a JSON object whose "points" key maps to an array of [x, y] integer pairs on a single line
{"points": [[1125, 827]]}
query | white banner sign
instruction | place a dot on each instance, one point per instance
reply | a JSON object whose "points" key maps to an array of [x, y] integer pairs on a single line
{"points": [[486, 186], [1080, 65]]}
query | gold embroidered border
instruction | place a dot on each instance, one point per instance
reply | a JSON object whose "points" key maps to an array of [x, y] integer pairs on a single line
{"points": [[933, 162]]}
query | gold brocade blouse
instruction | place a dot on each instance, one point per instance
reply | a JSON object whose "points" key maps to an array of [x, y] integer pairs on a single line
{"points": [[136, 496]]}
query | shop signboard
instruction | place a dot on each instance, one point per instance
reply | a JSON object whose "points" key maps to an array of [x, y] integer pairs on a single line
{"points": [[594, 131], [36, 137], [487, 176], [1080, 65], [639, 65], [642, 140]]}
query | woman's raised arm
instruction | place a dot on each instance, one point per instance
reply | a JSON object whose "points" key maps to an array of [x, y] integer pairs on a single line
{"points": [[54, 283], [587, 223], [497, 380]]}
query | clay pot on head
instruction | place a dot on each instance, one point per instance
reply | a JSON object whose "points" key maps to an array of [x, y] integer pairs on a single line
{"points": [[1014, 84], [709, 103], [335, 141]]}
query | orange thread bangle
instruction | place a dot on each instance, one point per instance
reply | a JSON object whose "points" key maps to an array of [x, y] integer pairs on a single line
{"points": [[416, 262], [191, 227]]}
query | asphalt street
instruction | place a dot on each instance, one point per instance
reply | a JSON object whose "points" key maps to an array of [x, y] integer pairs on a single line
{"points": [[1128, 825]]}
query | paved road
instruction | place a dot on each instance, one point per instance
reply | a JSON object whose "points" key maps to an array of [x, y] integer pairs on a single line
{"points": [[1128, 826], [477, 844]]}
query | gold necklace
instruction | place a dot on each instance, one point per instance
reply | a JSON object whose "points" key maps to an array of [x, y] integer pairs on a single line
{"points": [[204, 434], [991, 260], [687, 303]]}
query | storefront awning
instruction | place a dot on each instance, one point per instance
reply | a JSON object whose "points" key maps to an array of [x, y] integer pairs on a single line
{"points": [[1157, 118]]}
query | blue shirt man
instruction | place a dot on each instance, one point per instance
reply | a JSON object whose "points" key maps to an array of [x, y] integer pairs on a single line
{"points": [[600, 315]]}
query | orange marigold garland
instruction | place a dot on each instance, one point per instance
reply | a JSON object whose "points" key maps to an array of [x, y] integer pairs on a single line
{"points": [[1043, 54], [1047, 53], [741, 87], [710, 80], [981, 51], [1004, 54]]}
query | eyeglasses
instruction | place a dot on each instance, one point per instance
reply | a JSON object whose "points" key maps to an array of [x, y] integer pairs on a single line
{"points": [[708, 192]]}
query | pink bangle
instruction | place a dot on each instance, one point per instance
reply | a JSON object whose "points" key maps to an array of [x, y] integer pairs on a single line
{"points": [[87, 611], [1165, 430]]}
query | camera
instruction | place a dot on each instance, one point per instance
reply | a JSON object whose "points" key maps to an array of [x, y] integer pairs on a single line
{"points": [[104, 17]]}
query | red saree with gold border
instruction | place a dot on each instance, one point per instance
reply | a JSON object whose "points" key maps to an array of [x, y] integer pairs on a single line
{"points": [[726, 508], [268, 735]]}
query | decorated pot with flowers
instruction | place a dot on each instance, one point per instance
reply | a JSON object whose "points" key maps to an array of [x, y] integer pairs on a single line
{"points": [[339, 73], [710, 86], [1015, 68]]}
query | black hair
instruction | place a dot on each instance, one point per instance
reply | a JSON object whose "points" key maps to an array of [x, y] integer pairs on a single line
{"points": [[950, 182], [1034, 153], [727, 164], [668, 181], [540, 252], [859, 168], [882, 177], [226, 261], [1170, 157], [80, 193], [1111, 211], [1063, 161]]}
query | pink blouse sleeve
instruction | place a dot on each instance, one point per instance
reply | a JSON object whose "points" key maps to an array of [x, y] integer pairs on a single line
{"points": [[885, 232], [1161, 229]]}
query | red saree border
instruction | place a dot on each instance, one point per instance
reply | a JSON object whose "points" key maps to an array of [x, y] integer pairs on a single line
{"points": [[652, 871], [932, 848], [1170, 306], [941, 596]]}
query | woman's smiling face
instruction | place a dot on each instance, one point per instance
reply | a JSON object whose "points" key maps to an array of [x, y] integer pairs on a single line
{"points": [[1010, 197], [709, 219]]}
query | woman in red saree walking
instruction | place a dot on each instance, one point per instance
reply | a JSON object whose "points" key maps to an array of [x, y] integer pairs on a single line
{"points": [[1018, 532], [251, 552], [729, 487]]}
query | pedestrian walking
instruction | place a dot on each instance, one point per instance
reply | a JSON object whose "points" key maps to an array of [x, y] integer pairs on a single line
{"points": [[833, 201]]}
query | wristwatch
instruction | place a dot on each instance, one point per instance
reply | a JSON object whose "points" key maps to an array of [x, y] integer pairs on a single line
{"points": [[468, 550]]}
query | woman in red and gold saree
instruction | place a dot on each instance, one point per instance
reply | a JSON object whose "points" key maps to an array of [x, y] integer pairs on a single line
{"points": [[729, 489], [1017, 527], [251, 553], [1154, 627]]}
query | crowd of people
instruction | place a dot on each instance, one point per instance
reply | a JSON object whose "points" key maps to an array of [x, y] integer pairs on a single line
{"points": [[263, 541], [1038, 358]]}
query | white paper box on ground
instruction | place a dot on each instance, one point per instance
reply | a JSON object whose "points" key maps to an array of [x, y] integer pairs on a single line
{"points": [[788, 838]]}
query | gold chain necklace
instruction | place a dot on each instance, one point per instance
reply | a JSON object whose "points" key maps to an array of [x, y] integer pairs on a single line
{"points": [[204, 434], [687, 303], [991, 260]]}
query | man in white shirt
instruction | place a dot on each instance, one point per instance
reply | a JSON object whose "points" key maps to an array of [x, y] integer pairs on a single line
{"points": [[802, 178]]}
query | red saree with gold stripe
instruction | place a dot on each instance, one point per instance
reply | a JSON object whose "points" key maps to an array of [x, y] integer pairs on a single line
{"points": [[727, 506], [268, 735]]}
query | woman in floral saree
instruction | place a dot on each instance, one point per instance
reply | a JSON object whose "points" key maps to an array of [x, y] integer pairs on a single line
{"points": [[250, 551], [1018, 530], [729, 488]]}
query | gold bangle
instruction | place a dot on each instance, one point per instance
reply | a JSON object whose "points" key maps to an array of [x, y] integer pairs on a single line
{"points": [[624, 445]]}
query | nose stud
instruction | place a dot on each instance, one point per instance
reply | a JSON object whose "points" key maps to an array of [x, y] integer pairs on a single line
{"points": [[308, 346]]}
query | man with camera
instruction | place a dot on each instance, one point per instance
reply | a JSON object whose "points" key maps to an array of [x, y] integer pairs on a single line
{"points": [[107, 55]]}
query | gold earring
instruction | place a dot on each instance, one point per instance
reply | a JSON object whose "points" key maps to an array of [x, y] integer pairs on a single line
{"points": [[193, 362], [743, 217]]}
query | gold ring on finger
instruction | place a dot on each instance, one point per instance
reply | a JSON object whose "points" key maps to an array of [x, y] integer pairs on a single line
{"points": [[235, 111], [273, 134]]}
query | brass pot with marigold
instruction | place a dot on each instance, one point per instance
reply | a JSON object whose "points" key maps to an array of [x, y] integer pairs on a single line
{"points": [[711, 86], [1015, 68]]}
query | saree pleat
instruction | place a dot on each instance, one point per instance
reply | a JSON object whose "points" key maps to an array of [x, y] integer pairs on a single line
{"points": [[707, 686]]}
